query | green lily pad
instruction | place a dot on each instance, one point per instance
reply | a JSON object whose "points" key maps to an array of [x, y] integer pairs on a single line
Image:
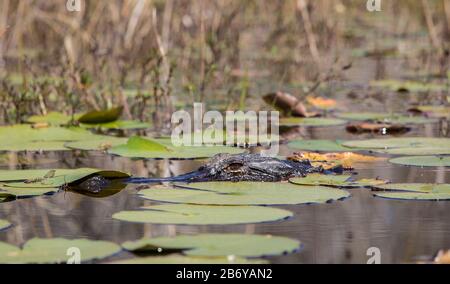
{"points": [[55, 251], [138, 147], [119, 124], [386, 118], [180, 259], [4, 224], [423, 161], [202, 215], [318, 145], [34, 146], [22, 175], [53, 118], [337, 181], [319, 121], [435, 111], [412, 86], [405, 142], [60, 177], [23, 192], [102, 144], [243, 193], [242, 245], [103, 116], [415, 191], [419, 151], [28, 183], [26, 138]]}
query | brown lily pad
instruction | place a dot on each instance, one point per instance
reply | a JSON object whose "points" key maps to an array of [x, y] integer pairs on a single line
{"points": [[377, 127], [288, 104]]}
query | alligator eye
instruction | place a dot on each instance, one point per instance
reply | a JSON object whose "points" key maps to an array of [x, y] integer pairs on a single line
{"points": [[234, 167]]}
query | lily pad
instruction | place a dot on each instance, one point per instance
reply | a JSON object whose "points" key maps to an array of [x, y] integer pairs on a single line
{"points": [[423, 161], [28, 183], [243, 193], [311, 121], [138, 147], [416, 151], [405, 142], [53, 118], [55, 251], [318, 145], [433, 111], [4, 224], [102, 116], [242, 245], [202, 215], [119, 124], [337, 181], [26, 138], [409, 86], [23, 192], [386, 118], [102, 144], [415, 191], [180, 259]]}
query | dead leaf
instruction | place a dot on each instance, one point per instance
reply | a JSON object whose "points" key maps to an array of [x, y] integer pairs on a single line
{"points": [[331, 160], [288, 104], [382, 128], [40, 125], [442, 257], [322, 103]]}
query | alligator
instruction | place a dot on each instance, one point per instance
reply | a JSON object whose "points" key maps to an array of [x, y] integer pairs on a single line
{"points": [[242, 167], [226, 167]]}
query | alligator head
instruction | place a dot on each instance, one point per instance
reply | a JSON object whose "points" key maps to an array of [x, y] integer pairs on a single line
{"points": [[250, 167]]}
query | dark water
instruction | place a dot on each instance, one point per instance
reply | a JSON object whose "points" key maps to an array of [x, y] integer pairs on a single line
{"points": [[340, 232]]}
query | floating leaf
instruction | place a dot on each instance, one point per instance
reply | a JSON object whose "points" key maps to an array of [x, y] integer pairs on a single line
{"points": [[433, 111], [102, 144], [318, 145], [331, 160], [22, 192], [334, 180], [242, 245], [311, 121], [385, 118], [414, 191], [102, 116], [202, 215], [138, 147], [180, 259], [406, 142], [4, 224], [442, 257], [26, 138], [321, 103], [416, 151], [288, 104], [423, 161], [408, 86], [33, 146], [55, 251], [52, 118], [243, 193], [28, 183], [377, 127], [22, 175], [119, 124]]}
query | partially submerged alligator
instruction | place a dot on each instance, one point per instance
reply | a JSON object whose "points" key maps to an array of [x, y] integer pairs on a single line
{"points": [[227, 167], [242, 167]]}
